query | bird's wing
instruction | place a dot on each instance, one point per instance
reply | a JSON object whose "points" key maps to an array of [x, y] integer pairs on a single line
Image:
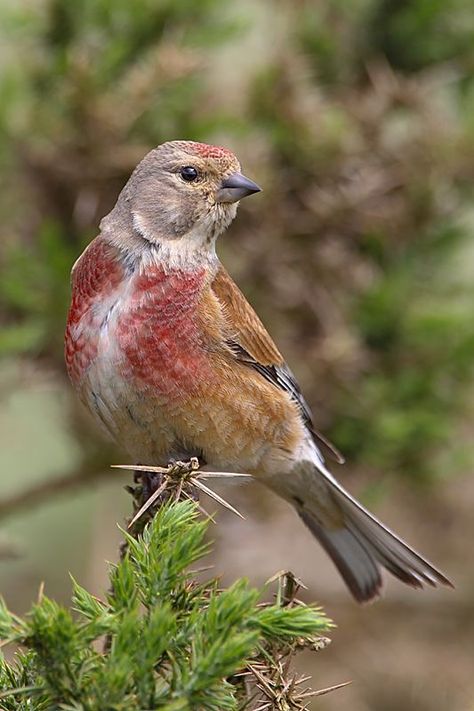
{"points": [[251, 344]]}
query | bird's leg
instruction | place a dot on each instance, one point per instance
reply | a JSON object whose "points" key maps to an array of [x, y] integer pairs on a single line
{"points": [[174, 481], [146, 484], [150, 482], [157, 485]]}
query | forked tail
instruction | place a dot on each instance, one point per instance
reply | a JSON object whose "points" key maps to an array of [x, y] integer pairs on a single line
{"points": [[359, 544]]}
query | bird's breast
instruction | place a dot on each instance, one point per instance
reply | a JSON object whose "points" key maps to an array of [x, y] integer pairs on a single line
{"points": [[143, 327], [146, 354], [160, 334]]}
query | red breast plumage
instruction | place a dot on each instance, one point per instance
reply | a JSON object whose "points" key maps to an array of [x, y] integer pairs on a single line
{"points": [[96, 276], [159, 334]]}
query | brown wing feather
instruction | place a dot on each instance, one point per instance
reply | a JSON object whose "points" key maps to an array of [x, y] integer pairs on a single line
{"points": [[251, 344], [248, 331]]}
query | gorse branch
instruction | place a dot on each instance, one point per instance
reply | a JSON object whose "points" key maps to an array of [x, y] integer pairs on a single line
{"points": [[173, 643]]}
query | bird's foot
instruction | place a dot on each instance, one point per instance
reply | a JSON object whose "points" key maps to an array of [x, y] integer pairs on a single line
{"points": [[180, 478], [150, 482], [154, 487]]}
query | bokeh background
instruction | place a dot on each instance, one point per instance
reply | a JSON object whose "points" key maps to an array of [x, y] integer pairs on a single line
{"points": [[357, 118]]}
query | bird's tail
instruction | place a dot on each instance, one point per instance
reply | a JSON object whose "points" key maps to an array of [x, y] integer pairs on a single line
{"points": [[357, 542]]}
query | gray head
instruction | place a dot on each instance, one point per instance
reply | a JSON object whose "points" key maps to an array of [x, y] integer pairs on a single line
{"points": [[180, 189]]}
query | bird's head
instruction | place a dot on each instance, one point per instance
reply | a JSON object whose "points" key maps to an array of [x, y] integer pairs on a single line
{"points": [[186, 192]]}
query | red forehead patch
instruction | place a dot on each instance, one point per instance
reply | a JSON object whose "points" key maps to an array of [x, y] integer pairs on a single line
{"points": [[207, 151]]}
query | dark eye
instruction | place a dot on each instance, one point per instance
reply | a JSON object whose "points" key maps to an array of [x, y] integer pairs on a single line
{"points": [[188, 173]]}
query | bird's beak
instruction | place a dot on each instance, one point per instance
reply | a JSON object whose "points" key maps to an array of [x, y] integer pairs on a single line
{"points": [[236, 187]]}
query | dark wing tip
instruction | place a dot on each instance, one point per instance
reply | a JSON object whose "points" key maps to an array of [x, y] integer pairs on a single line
{"points": [[335, 454]]}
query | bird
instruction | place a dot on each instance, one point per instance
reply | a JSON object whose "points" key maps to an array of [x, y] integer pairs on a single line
{"points": [[169, 356]]}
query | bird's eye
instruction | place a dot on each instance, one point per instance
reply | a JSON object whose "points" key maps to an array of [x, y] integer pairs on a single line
{"points": [[188, 173]]}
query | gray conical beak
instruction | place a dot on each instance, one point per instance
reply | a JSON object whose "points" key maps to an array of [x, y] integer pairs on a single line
{"points": [[236, 187]]}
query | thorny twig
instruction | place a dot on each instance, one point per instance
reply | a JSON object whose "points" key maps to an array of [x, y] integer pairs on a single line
{"points": [[269, 683], [177, 480]]}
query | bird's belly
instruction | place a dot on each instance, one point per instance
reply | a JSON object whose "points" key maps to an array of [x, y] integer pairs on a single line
{"points": [[225, 418], [137, 416]]}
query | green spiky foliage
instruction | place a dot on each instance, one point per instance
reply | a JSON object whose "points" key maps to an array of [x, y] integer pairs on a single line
{"points": [[171, 643]]}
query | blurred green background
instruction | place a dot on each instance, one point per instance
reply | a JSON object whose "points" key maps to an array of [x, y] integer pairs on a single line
{"points": [[357, 118]]}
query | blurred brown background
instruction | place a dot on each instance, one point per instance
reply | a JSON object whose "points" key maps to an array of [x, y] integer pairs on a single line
{"points": [[357, 119]]}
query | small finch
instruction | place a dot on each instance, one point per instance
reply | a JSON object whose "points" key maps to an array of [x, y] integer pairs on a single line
{"points": [[172, 360]]}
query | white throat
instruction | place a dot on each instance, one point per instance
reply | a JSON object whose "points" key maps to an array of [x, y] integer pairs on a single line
{"points": [[196, 248]]}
